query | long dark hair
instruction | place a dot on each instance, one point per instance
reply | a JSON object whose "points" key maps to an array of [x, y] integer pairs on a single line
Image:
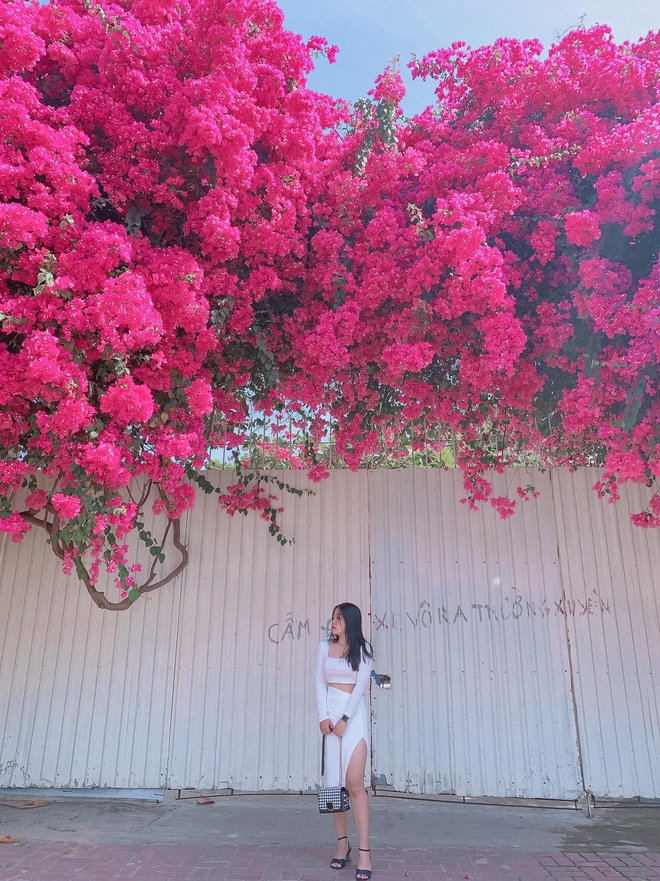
{"points": [[358, 647]]}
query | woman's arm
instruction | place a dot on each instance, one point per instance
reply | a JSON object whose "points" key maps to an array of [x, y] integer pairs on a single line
{"points": [[363, 674], [321, 686]]}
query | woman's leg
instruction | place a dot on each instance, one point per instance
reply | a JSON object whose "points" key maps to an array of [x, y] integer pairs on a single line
{"points": [[341, 828], [359, 801]]}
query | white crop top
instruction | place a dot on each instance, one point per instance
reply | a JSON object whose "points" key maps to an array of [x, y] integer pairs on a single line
{"points": [[339, 670]]}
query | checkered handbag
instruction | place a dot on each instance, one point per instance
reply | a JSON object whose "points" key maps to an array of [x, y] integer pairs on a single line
{"points": [[333, 799]]}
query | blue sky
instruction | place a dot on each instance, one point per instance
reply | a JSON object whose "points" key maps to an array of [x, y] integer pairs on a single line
{"points": [[370, 32]]}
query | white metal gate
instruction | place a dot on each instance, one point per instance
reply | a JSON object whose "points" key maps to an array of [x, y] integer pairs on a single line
{"points": [[524, 655], [466, 623], [253, 613]]}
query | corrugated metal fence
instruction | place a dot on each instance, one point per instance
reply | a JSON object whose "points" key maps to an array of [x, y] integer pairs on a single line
{"points": [[524, 654]]}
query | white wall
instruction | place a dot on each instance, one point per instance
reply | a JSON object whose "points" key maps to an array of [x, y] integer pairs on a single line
{"points": [[548, 672], [611, 578], [85, 696], [252, 616], [466, 624]]}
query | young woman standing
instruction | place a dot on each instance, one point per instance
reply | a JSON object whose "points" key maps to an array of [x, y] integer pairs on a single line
{"points": [[343, 669]]}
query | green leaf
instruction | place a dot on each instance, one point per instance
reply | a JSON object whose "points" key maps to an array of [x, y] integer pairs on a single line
{"points": [[133, 594], [634, 403]]}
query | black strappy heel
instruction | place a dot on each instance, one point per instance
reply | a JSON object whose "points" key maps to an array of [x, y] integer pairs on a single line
{"points": [[336, 862], [363, 874]]}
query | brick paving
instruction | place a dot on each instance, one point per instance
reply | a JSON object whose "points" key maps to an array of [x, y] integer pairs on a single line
{"points": [[62, 861]]}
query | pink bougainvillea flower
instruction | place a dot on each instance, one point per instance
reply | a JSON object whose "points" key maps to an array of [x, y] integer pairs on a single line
{"points": [[192, 240], [200, 397], [127, 402], [66, 506], [582, 228], [36, 500]]}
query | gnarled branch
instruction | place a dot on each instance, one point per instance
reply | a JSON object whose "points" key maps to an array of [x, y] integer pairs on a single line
{"points": [[100, 599]]}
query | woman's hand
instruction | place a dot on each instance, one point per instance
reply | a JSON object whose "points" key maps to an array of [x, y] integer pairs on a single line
{"points": [[326, 726], [340, 727]]}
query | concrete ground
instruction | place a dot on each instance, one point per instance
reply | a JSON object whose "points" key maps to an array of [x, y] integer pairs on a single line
{"points": [[283, 838]]}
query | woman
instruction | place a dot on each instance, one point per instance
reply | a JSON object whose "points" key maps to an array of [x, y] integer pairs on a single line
{"points": [[343, 669]]}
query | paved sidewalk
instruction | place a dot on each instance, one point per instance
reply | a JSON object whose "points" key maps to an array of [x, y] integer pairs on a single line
{"points": [[283, 838], [185, 862]]}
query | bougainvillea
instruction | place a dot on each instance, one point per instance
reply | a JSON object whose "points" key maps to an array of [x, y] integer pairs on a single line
{"points": [[157, 161], [190, 236], [491, 265]]}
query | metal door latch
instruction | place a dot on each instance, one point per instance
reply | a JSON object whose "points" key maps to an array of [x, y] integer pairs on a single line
{"points": [[382, 680]]}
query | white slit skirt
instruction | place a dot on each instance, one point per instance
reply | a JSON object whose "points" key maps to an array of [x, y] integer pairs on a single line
{"points": [[357, 729]]}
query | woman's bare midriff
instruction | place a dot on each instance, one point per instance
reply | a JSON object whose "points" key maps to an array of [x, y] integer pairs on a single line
{"points": [[342, 686]]}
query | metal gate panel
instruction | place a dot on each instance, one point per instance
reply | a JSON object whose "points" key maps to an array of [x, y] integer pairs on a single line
{"points": [[85, 695], [470, 618], [252, 616], [611, 575], [466, 623]]}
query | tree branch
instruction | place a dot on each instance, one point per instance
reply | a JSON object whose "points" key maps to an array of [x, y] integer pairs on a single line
{"points": [[99, 598], [183, 550]]}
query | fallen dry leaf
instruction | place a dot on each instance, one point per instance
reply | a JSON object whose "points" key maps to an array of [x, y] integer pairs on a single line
{"points": [[205, 800]]}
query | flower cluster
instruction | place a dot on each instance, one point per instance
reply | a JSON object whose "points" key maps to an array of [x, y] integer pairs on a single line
{"points": [[158, 161], [498, 258], [189, 235]]}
